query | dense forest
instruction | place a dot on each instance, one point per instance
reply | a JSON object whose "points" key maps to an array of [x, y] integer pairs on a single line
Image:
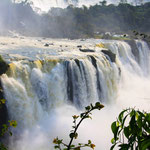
{"points": [[73, 22]]}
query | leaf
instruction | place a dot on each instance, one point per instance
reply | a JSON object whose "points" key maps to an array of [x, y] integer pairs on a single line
{"points": [[124, 146], [114, 129], [132, 113], [148, 118], [72, 135], [124, 119], [82, 114], [59, 141], [13, 123], [99, 105], [112, 147], [139, 121], [145, 144], [56, 147], [3, 101], [88, 108], [126, 132], [113, 141], [141, 114], [10, 133], [89, 142], [132, 123], [121, 115], [76, 135]]}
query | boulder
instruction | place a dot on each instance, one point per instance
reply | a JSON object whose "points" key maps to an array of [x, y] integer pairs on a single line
{"points": [[87, 50], [79, 46], [46, 45], [110, 54], [3, 66]]}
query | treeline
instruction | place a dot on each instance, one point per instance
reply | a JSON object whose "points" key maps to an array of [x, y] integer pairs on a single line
{"points": [[73, 22]]}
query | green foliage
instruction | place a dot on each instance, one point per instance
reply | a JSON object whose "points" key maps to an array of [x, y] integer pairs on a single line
{"points": [[2, 101], [59, 144], [131, 130], [6, 127], [2, 147], [73, 22]]}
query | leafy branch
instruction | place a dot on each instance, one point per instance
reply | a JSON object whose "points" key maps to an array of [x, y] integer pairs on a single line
{"points": [[74, 135], [131, 130]]}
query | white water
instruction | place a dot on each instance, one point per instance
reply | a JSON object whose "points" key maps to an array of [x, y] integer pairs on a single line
{"points": [[38, 94]]}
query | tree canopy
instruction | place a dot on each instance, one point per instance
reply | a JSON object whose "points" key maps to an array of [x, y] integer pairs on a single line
{"points": [[74, 22]]}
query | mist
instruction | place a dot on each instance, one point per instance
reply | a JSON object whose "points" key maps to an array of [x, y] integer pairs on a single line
{"points": [[45, 5], [59, 19], [15, 17]]}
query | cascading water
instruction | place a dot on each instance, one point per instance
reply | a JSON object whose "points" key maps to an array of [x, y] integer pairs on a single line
{"points": [[42, 95]]}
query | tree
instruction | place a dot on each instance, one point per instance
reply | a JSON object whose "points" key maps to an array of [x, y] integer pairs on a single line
{"points": [[103, 3], [123, 1]]}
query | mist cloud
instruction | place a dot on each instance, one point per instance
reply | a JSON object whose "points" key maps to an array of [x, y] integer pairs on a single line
{"points": [[45, 5]]}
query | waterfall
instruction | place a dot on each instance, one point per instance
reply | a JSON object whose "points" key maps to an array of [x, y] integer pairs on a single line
{"points": [[43, 94]]}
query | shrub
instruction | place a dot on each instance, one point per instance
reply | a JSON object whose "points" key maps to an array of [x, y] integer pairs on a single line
{"points": [[131, 130]]}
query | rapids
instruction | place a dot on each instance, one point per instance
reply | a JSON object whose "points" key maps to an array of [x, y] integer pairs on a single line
{"points": [[45, 86]]}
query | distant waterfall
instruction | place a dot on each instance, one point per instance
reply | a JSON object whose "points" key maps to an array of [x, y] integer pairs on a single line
{"points": [[34, 89]]}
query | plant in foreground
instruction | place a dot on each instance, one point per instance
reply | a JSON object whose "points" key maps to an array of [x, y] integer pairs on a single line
{"points": [[6, 127], [59, 144], [131, 130]]}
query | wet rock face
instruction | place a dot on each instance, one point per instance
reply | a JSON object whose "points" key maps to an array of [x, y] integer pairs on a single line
{"points": [[110, 54], [134, 49], [46, 45], [87, 50], [3, 66], [3, 109], [148, 43]]}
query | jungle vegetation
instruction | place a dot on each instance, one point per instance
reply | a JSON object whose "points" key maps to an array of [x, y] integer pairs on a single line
{"points": [[73, 22]]}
